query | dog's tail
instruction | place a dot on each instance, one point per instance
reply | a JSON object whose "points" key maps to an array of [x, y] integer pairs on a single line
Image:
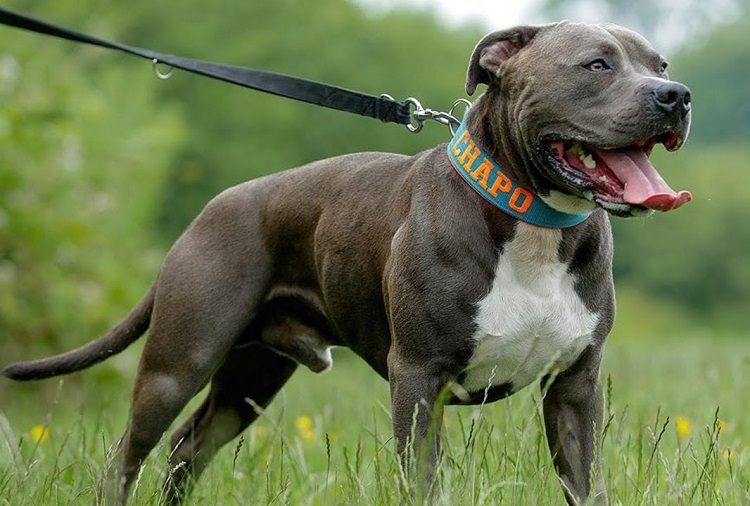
{"points": [[116, 340]]}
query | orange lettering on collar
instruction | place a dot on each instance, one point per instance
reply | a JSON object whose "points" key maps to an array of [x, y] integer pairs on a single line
{"points": [[501, 183], [482, 173], [525, 204], [469, 156], [456, 147]]}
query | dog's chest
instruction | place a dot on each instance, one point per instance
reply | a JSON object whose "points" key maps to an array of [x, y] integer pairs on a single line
{"points": [[532, 321]]}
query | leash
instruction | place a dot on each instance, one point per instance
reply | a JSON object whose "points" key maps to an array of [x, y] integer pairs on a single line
{"points": [[409, 112]]}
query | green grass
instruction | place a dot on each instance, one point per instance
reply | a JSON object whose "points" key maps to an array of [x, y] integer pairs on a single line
{"points": [[344, 453]]}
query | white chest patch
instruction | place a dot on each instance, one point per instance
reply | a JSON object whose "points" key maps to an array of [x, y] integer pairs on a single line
{"points": [[532, 321]]}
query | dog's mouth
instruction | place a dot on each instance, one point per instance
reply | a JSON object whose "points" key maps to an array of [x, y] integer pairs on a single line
{"points": [[617, 179]]}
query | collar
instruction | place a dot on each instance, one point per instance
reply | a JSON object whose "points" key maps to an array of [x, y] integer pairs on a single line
{"points": [[483, 174]]}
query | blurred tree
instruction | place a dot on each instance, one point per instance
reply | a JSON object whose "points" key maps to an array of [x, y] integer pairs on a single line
{"points": [[717, 68], [696, 257], [83, 161], [665, 23]]}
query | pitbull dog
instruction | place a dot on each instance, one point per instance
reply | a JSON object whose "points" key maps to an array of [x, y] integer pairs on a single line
{"points": [[399, 259]]}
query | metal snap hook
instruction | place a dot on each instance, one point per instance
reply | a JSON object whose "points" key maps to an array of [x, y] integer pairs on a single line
{"points": [[416, 109], [418, 114], [159, 74]]}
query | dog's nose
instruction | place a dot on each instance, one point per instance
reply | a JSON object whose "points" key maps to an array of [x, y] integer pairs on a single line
{"points": [[672, 97]]}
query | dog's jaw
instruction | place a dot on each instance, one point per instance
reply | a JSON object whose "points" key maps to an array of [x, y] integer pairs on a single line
{"points": [[622, 181]]}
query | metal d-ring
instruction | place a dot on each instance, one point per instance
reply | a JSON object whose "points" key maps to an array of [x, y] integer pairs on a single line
{"points": [[455, 122], [159, 74]]}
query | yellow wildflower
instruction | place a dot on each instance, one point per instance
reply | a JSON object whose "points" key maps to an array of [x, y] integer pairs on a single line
{"points": [[721, 425], [303, 423], [728, 454], [683, 425], [308, 435], [39, 433], [305, 427]]}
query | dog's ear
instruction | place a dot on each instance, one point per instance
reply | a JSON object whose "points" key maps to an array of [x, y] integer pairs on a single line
{"points": [[494, 50]]}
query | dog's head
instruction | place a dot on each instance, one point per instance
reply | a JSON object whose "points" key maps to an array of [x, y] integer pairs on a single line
{"points": [[577, 109]]}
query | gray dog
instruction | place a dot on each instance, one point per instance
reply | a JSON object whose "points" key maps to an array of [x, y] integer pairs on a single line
{"points": [[460, 274]]}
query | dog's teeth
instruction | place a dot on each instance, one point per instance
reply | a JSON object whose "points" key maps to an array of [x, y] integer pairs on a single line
{"points": [[588, 161], [585, 157], [577, 150]]}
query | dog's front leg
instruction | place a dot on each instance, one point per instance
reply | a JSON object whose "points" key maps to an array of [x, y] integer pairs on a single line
{"points": [[417, 414], [572, 417]]}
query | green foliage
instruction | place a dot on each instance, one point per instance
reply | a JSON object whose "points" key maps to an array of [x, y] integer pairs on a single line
{"points": [[696, 256], [83, 161], [718, 73]]}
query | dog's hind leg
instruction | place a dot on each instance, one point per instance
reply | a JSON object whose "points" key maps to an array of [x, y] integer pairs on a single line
{"points": [[252, 373], [198, 315]]}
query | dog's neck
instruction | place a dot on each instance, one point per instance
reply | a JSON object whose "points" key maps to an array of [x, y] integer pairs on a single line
{"points": [[489, 124]]}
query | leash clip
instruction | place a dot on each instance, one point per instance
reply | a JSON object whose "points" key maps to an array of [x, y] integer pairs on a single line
{"points": [[420, 114]]}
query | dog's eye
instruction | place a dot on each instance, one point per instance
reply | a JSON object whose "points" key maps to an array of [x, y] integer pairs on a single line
{"points": [[598, 65], [663, 67]]}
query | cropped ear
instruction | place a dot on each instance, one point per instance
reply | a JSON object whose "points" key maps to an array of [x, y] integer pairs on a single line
{"points": [[494, 50]]}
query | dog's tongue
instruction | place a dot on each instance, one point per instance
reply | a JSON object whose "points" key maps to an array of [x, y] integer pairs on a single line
{"points": [[643, 184]]}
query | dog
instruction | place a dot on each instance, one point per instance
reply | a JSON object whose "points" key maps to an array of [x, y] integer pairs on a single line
{"points": [[460, 275]]}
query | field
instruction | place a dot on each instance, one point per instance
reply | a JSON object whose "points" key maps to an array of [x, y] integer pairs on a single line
{"points": [[676, 433]]}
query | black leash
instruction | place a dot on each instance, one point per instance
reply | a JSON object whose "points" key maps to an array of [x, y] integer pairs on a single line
{"points": [[383, 107]]}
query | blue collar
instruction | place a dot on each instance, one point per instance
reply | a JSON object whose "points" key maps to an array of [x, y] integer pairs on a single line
{"points": [[487, 178]]}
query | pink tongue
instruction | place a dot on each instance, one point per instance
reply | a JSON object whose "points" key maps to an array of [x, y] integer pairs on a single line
{"points": [[643, 184]]}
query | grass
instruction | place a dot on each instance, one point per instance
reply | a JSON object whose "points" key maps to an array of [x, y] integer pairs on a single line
{"points": [[676, 432]]}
